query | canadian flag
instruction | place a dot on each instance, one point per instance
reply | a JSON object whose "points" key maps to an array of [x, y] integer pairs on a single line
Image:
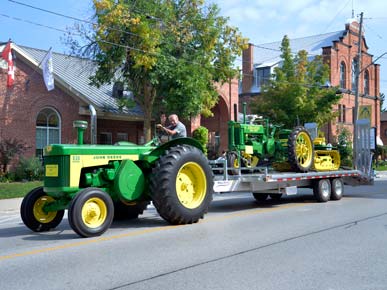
{"points": [[7, 55]]}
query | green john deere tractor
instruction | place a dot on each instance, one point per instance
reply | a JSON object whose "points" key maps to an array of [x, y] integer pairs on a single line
{"points": [[257, 142], [97, 183]]}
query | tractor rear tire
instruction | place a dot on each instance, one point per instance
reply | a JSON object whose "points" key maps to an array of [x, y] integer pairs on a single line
{"points": [[181, 185], [91, 212], [300, 150], [33, 215], [128, 211]]}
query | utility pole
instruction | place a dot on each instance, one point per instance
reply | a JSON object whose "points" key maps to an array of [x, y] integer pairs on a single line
{"points": [[357, 76]]}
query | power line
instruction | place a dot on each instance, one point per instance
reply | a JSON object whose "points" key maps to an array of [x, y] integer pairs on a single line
{"points": [[112, 28], [141, 50], [117, 44], [70, 17]]}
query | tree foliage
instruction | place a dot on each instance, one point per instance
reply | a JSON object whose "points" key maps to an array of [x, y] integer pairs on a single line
{"points": [[296, 93], [9, 149], [167, 52]]}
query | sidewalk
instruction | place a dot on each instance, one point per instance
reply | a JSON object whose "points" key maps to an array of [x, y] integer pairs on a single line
{"points": [[10, 205], [380, 174]]}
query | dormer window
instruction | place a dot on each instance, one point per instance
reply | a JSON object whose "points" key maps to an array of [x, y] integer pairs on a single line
{"points": [[262, 76]]}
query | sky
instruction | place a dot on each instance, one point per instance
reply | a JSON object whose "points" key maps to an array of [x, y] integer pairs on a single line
{"points": [[261, 21]]}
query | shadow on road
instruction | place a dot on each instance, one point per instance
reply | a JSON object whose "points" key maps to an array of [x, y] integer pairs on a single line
{"points": [[222, 204]]}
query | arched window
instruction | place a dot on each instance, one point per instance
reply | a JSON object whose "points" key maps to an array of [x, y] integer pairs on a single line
{"points": [[366, 83], [47, 129], [343, 79], [355, 64]]}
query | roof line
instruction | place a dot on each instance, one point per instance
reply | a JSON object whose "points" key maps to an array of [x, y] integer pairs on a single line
{"points": [[305, 37]]}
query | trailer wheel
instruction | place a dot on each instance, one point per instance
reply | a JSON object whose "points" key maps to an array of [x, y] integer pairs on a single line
{"points": [[91, 212], [33, 215], [322, 190], [181, 185], [260, 196], [300, 150], [337, 189], [129, 211]]}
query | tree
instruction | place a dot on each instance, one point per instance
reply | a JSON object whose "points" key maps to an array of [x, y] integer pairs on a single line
{"points": [[165, 51], [295, 93], [9, 148]]}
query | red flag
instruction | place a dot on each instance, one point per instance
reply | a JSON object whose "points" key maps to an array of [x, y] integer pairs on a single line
{"points": [[7, 55]]}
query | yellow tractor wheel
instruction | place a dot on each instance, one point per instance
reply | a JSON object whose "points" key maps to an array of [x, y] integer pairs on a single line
{"points": [[300, 150]]}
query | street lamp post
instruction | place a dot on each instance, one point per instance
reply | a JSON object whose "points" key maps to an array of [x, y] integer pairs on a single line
{"points": [[357, 76]]}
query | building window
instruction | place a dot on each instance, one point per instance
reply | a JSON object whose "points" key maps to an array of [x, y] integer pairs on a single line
{"points": [[262, 76], [385, 132], [343, 79], [366, 83], [342, 116], [122, 137], [355, 64], [48, 127], [105, 138]]}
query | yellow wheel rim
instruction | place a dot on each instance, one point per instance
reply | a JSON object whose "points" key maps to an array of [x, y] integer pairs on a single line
{"points": [[191, 185], [236, 163], [304, 149], [94, 212], [39, 214]]}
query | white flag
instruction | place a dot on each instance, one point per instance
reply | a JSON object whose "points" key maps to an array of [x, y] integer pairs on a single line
{"points": [[48, 69]]}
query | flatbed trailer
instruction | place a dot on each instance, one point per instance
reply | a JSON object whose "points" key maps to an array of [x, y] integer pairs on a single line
{"points": [[265, 182]]}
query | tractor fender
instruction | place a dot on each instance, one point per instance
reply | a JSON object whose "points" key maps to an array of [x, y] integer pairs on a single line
{"points": [[157, 152]]}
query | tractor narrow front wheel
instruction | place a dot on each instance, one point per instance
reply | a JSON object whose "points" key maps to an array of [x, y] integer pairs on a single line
{"points": [[91, 212], [33, 214], [181, 185]]}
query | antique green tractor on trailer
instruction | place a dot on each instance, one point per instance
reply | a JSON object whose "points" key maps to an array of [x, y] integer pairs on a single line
{"points": [[99, 182], [257, 142]]}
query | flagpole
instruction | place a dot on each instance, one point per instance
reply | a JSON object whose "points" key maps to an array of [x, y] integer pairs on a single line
{"points": [[40, 63]]}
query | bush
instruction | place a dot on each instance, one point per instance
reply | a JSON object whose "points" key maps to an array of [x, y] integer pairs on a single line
{"points": [[29, 169], [344, 145], [201, 135]]}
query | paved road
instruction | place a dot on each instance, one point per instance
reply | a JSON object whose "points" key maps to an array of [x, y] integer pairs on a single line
{"points": [[293, 244]]}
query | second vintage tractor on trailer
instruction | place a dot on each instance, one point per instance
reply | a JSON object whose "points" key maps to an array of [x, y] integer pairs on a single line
{"points": [[256, 142]]}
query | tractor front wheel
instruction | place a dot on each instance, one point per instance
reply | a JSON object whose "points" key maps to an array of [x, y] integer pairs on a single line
{"points": [[300, 150], [91, 212], [33, 214], [181, 185]]}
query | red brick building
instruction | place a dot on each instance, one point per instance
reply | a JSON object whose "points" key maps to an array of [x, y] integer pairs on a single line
{"points": [[339, 50], [38, 117], [383, 127]]}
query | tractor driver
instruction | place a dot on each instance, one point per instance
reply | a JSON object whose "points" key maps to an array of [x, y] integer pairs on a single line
{"points": [[176, 129]]}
